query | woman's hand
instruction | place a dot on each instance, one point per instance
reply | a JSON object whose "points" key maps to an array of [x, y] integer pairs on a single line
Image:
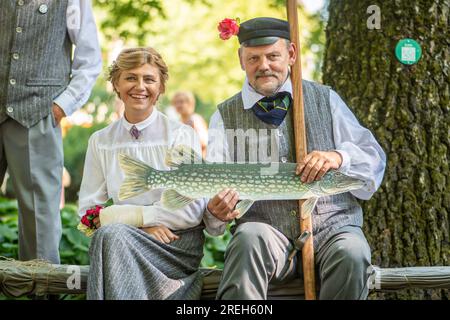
{"points": [[161, 233], [97, 222]]}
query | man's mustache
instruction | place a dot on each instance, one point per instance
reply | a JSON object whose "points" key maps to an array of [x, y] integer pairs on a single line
{"points": [[265, 74]]}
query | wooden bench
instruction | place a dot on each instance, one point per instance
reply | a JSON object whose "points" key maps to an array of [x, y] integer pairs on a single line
{"points": [[19, 278]]}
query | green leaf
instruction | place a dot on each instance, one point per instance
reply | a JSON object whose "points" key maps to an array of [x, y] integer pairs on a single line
{"points": [[8, 233], [110, 202], [208, 259], [77, 239]]}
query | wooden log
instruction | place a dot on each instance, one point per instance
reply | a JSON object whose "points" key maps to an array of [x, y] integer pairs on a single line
{"points": [[393, 279], [19, 278]]}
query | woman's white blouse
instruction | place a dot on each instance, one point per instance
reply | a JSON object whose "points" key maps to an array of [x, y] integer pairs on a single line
{"points": [[102, 176]]}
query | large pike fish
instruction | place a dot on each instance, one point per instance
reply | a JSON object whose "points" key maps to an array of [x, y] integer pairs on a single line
{"points": [[193, 178]]}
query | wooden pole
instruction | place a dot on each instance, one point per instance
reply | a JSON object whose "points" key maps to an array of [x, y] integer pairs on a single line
{"points": [[301, 150]]}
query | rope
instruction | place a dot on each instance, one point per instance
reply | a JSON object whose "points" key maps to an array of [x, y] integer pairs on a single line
{"points": [[33, 267]]}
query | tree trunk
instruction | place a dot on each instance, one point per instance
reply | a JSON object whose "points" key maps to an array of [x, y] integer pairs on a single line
{"points": [[407, 109]]}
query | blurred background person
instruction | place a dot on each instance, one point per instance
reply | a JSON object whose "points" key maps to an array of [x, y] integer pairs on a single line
{"points": [[171, 113], [184, 103], [66, 180]]}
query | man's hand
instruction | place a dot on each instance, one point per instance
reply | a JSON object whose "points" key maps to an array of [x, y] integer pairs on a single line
{"points": [[161, 233], [222, 205], [317, 163], [58, 113]]}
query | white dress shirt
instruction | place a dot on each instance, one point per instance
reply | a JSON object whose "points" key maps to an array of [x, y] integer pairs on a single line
{"points": [[362, 156], [102, 176], [87, 60]]}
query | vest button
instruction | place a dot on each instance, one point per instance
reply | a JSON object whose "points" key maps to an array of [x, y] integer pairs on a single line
{"points": [[283, 159], [10, 109], [15, 56], [20, 2], [19, 30], [43, 8], [12, 81], [279, 132], [293, 213]]}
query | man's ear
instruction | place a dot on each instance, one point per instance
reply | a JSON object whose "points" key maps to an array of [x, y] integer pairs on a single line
{"points": [[292, 53], [240, 59]]}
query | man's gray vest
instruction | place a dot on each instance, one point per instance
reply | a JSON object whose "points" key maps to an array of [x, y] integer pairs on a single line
{"points": [[331, 212], [35, 58]]}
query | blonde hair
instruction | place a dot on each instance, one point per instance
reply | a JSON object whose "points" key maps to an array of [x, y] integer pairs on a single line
{"points": [[135, 57]]}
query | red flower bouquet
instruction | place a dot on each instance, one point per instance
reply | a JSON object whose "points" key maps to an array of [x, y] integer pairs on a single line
{"points": [[228, 28], [86, 224]]}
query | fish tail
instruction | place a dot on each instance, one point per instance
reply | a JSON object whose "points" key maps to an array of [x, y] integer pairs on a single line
{"points": [[136, 177]]}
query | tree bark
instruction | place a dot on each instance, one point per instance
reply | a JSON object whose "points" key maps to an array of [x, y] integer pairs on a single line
{"points": [[407, 108]]}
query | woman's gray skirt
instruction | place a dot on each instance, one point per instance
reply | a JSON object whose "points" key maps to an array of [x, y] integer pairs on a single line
{"points": [[127, 263]]}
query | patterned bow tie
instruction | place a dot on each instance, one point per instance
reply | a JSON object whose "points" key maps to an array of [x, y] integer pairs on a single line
{"points": [[135, 133], [273, 109]]}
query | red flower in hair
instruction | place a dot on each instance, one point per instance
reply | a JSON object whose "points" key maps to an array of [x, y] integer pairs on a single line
{"points": [[228, 28]]}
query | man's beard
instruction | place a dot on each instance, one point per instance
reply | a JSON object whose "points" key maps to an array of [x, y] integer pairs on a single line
{"points": [[274, 88]]}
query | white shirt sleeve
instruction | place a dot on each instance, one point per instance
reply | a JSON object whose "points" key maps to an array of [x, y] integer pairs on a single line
{"points": [[93, 189], [217, 151], [362, 156], [87, 60]]}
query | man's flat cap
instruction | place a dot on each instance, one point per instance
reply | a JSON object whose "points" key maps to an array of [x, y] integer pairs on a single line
{"points": [[263, 31]]}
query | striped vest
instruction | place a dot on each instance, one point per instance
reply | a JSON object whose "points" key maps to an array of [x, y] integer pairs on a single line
{"points": [[331, 212], [35, 58]]}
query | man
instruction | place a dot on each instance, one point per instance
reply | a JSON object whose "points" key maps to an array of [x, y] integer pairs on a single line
{"points": [[40, 84], [262, 240]]}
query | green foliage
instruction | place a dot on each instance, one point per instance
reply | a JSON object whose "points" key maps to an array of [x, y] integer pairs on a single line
{"points": [[101, 95], [74, 245], [133, 19], [8, 228], [214, 250], [129, 19]]}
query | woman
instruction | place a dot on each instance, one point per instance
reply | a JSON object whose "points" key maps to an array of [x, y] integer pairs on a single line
{"points": [[160, 259], [184, 103]]}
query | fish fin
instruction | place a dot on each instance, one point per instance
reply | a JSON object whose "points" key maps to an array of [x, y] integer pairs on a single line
{"points": [[243, 207], [308, 207], [181, 154], [136, 173], [173, 200]]}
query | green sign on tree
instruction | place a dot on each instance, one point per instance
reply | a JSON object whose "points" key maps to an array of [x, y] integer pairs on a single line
{"points": [[408, 51]]}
